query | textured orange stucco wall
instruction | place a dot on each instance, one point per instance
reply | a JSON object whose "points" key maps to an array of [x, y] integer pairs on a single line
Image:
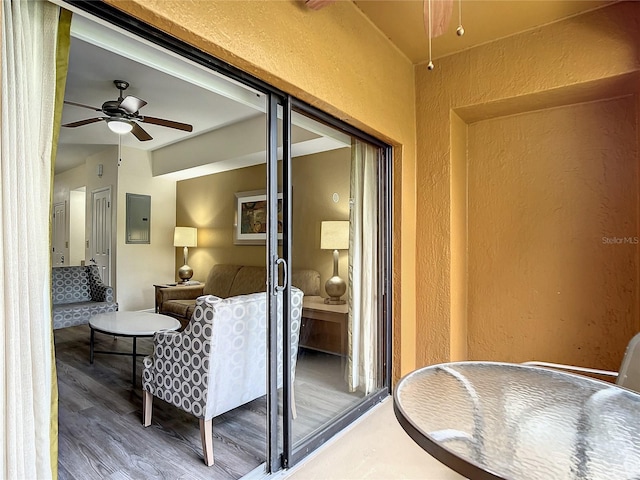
{"points": [[553, 234], [552, 65], [336, 60]]}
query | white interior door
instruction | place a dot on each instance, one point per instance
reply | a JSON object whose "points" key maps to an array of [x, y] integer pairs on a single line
{"points": [[59, 234], [101, 232]]}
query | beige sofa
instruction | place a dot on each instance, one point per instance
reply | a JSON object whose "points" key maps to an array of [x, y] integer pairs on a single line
{"points": [[227, 281]]}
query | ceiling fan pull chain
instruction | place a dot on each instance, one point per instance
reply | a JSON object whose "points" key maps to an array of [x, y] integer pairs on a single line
{"points": [[460, 29], [119, 149], [430, 65]]}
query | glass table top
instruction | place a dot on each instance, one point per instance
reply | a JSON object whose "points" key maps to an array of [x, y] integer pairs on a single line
{"points": [[500, 420]]}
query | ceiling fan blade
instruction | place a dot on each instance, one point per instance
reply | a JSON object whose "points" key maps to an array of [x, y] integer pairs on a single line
{"points": [[80, 123], [140, 133], [84, 106], [132, 104], [167, 123], [440, 16], [317, 4]]}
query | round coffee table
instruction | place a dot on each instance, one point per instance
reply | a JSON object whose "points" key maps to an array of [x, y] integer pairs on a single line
{"points": [[129, 324]]}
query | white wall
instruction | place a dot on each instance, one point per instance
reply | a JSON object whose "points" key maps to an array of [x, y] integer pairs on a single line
{"points": [[63, 184], [77, 225], [140, 266], [134, 268]]}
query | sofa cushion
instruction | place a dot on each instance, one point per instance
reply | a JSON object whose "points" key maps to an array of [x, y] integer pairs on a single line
{"points": [[226, 281], [306, 280], [249, 280], [220, 280], [70, 285]]}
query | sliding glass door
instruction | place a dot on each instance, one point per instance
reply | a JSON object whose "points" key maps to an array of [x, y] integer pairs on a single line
{"points": [[338, 258], [322, 241], [327, 262]]}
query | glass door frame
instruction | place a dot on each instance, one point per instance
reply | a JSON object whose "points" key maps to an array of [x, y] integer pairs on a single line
{"points": [[277, 264], [286, 458], [385, 265]]}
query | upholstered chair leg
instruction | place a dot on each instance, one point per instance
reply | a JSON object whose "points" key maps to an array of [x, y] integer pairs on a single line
{"points": [[206, 434], [147, 408]]}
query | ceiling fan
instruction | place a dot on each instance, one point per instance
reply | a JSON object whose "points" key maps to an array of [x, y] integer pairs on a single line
{"points": [[123, 114]]}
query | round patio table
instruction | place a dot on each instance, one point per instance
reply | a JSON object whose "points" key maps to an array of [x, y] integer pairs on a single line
{"points": [[489, 420]]}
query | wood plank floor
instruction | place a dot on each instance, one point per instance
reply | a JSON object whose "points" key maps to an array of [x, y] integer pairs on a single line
{"points": [[101, 435]]}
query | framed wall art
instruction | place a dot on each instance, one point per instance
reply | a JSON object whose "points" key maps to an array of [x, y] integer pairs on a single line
{"points": [[251, 218]]}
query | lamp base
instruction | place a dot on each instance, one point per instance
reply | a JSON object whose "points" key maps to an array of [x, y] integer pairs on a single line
{"points": [[334, 301], [185, 273], [335, 288]]}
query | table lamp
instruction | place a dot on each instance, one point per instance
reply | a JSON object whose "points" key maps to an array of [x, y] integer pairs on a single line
{"points": [[334, 235], [185, 237]]}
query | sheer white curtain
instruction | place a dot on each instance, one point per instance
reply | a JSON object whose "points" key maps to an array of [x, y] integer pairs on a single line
{"points": [[29, 30], [362, 367]]}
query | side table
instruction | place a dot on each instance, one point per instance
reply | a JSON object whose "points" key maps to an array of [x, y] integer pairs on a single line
{"points": [[319, 324]]}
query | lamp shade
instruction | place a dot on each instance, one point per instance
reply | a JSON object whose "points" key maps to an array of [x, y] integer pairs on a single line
{"points": [[185, 237], [334, 235]]}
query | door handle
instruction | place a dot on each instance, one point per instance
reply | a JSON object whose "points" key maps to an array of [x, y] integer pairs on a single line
{"points": [[283, 262]]}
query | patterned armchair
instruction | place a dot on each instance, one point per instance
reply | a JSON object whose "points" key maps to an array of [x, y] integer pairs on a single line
{"points": [[78, 294], [219, 361]]}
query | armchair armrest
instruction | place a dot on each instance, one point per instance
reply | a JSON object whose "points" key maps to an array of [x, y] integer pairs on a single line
{"points": [[98, 290], [104, 293], [190, 292]]}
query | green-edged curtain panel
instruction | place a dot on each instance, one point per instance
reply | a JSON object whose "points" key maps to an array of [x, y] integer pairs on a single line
{"points": [[28, 399]]}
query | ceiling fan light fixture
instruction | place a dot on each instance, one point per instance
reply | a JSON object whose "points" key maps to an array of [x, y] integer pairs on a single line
{"points": [[119, 126]]}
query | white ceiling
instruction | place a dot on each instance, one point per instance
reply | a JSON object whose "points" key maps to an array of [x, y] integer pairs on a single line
{"points": [[207, 101], [174, 89], [90, 82]]}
